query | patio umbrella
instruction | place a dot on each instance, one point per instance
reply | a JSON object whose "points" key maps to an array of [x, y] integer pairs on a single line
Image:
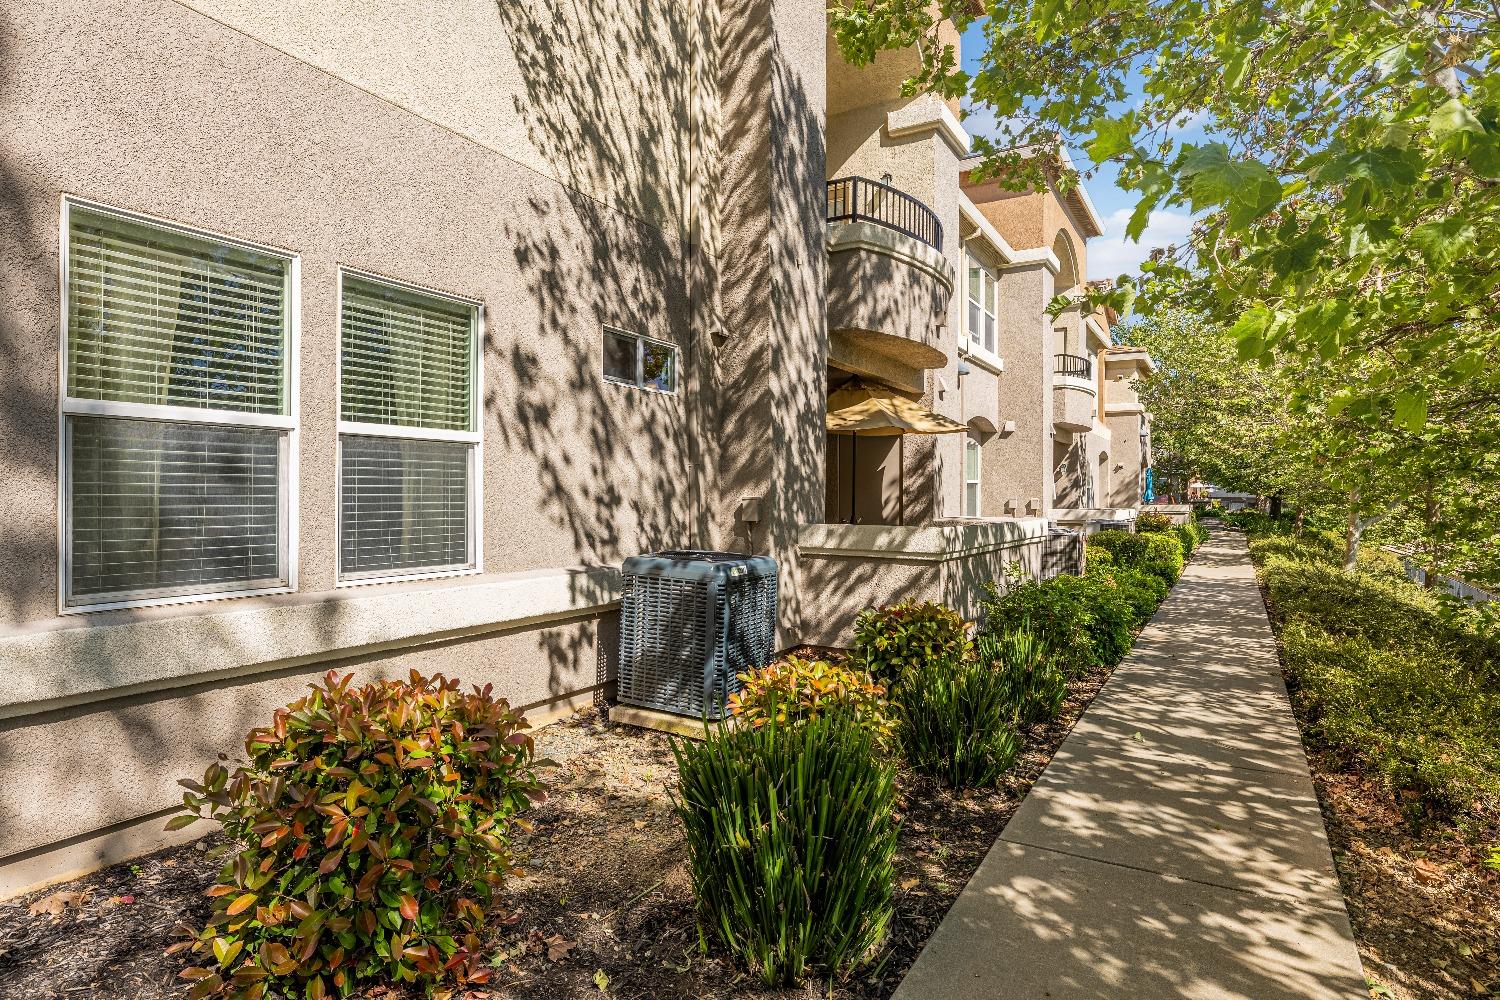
{"points": [[876, 410]]}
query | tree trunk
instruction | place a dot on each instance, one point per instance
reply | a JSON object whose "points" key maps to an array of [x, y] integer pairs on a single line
{"points": [[1430, 576], [1352, 531], [1275, 504]]}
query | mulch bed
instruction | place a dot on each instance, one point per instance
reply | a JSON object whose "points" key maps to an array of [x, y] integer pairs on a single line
{"points": [[604, 908]]}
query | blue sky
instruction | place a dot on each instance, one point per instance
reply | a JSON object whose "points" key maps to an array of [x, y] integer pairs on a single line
{"points": [[1111, 254]]}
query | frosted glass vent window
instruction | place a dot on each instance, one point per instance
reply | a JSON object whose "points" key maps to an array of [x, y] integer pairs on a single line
{"points": [[407, 357], [408, 431], [639, 361], [405, 505], [177, 415]]}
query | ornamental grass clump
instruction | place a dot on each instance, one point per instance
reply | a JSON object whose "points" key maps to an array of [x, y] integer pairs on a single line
{"points": [[368, 837], [958, 721], [793, 689], [890, 639], [790, 830], [1037, 685]]}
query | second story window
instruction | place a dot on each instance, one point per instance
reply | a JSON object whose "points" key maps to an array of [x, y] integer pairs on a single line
{"points": [[631, 359], [408, 431], [980, 324], [178, 413]]}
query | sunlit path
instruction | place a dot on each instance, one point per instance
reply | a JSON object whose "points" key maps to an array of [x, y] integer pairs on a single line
{"points": [[1174, 847]]}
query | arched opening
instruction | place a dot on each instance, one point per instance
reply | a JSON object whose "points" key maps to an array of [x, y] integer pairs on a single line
{"points": [[1069, 274]]}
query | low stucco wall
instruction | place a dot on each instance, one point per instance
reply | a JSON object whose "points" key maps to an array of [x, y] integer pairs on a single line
{"points": [[845, 568], [86, 785]]}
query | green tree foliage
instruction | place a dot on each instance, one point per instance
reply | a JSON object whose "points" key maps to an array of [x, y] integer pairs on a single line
{"points": [[1344, 267]]}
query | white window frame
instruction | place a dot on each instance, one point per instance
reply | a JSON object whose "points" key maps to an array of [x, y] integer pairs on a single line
{"points": [[289, 421], [977, 482], [641, 340], [974, 339], [360, 428]]}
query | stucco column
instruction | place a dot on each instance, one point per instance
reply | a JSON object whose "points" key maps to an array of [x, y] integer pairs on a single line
{"points": [[768, 250]]}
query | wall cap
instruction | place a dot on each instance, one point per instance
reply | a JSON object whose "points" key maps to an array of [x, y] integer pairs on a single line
{"points": [[940, 542]]}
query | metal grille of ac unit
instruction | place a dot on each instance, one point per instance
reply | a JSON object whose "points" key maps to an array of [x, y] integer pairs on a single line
{"points": [[1062, 552], [690, 622]]}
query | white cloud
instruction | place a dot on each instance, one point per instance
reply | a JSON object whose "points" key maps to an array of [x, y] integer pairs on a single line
{"points": [[1114, 253]]}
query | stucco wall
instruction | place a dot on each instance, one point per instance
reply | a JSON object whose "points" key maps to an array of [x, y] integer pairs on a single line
{"points": [[556, 161]]}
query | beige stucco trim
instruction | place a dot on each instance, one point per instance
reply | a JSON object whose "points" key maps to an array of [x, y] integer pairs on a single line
{"points": [[1123, 362], [929, 115], [920, 543], [1124, 409], [846, 236], [1076, 515], [985, 229], [71, 666]]}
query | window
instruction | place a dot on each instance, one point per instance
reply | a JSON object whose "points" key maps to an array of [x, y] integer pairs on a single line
{"points": [[638, 361], [980, 327], [408, 431], [971, 477], [178, 427]]}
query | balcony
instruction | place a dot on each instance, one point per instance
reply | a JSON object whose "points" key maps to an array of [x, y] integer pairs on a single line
{"points": [[859, 199], [1073, 393], [889, 284]]}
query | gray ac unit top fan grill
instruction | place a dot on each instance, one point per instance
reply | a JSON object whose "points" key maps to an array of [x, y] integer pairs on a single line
{"points": [[690, 622]]}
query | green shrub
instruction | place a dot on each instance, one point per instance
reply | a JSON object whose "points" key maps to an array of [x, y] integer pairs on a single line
{"points": [[1126, 547], [1083, 620], [794, 689], [1163, 557], [790, 831], [1097, 557], [1142, 592], [890, 639], [1152, 522], [1037, 685], [368, 835], [958, 721], [1190, 535], [1385, 681]]}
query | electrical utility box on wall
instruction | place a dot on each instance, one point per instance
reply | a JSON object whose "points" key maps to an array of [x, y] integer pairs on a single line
{"points": [[690, 622]]}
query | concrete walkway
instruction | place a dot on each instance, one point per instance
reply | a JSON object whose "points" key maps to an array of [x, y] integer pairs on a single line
{"points": [[1174, 846]]}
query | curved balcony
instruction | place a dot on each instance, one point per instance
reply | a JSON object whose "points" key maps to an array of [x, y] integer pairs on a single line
{"points": [[888, 282], [1073, 394], [859, 199]]}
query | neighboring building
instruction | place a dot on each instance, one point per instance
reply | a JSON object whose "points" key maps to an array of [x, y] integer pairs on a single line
{"points": [[370, 338]]}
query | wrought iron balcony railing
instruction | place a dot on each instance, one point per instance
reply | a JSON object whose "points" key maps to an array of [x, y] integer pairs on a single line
{"points": [[1075, 365], [859, 199]]}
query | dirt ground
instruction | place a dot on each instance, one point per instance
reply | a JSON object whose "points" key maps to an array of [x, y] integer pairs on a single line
{"points": [[604, 908], [1425, 909]]}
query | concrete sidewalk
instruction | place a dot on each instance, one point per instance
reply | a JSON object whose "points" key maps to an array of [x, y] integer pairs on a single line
{"points": [[1174, 846]]}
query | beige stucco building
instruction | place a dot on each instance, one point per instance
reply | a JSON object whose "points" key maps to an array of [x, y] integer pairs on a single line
{"points": [[373, 336]]}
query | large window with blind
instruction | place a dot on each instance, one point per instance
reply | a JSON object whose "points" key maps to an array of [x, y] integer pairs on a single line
{"points": [[178, 413], [408, 431]]}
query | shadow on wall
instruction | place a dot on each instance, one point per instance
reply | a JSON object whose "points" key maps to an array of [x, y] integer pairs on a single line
{"points": [[28, 399]]}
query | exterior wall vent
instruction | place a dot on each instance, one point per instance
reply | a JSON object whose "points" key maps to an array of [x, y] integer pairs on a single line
{"points": [[690, 622]]}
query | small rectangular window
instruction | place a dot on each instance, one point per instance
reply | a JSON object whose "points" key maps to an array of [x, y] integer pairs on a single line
{"points": [[980, 326], [634, 360], [408, 431], [971, 478], [177, 413]]}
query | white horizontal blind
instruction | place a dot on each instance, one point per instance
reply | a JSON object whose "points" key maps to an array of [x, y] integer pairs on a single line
{"points": [[161, 508], [405, 505], [405, 357], [406, 469], [157, 505], [160, 317]]}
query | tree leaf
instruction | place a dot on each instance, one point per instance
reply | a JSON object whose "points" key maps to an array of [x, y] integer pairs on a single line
{"points": [[1452, 117], [1411, 410]]}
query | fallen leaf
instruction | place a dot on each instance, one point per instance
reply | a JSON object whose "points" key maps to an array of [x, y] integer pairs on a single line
{"points": [[558, 947], [1426, 871], [908, 884], [601, 980], [56, 903]]}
